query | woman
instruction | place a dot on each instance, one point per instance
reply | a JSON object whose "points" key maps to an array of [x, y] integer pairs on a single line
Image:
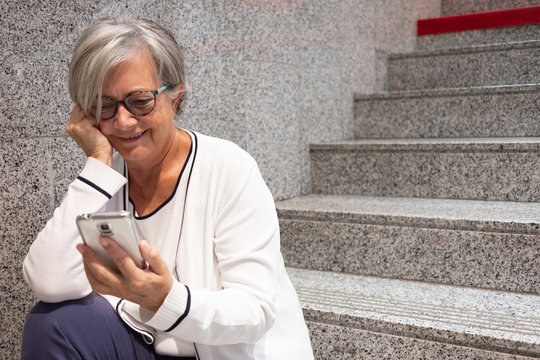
{"points": [[216, 286]]}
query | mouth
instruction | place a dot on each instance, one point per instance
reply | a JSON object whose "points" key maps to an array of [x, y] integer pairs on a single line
{"points": [[133, 137]]}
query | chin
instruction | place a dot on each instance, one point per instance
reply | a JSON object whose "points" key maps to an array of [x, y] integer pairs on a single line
{"points": [[133, 155]]}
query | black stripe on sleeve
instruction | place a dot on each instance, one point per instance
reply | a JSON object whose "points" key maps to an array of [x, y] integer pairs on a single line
{"points": [[88, 182], [148, 337], [118, 305], [188, 306]]}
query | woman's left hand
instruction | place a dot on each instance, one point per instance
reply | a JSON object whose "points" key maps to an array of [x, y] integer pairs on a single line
{"points": [[148, 287]]}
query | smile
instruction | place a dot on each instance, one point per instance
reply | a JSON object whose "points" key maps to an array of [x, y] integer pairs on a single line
{"points": [[132, 137]]}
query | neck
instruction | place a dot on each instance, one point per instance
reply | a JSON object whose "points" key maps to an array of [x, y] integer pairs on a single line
{"points": [[152, 171]]}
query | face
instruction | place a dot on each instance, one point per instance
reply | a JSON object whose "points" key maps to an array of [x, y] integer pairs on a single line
{"points": [[139, 139]]}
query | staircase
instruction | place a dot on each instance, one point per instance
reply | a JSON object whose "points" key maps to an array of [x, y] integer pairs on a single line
{"points": [[421, 239]]}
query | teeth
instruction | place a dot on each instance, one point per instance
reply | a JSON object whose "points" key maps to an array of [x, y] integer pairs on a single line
{"points": [[133, 136]]}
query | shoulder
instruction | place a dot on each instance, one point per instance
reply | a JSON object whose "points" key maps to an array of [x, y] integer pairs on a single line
{"points": [[221, 164], [220, 152]]}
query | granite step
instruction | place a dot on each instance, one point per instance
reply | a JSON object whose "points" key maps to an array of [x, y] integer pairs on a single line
{"points": [[484, 244], [454, 7], [479, 20], [498, 64], [359, 317], [478, 37], [506, 169], [494, 111]]}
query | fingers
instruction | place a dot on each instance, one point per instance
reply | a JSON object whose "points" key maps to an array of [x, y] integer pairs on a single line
{"points": [[101, 277], [83, 129], [148, 287], [121, 259], [155, 262], [79, 121]]}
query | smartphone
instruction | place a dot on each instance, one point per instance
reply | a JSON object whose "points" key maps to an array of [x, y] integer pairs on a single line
{"points": [[118, 226]]}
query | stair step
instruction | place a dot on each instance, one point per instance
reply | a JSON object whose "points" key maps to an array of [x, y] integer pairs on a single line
{"points": [[480, 20], [469, 168], [500, 64], [402, 316], [485, 244], [472, 112], [454, 7], [478, 37]]}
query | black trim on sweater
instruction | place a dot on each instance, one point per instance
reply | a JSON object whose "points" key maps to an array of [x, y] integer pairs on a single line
{"points": [[140, 330], [88, 182], [172, 194], [118, 305], [186, 312]]}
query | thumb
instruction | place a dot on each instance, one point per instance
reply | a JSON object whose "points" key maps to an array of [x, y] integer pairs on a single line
{"points": [[151, 256]]}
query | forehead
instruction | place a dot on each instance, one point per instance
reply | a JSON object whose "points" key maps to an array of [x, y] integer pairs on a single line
{"points": [[136, 73]]}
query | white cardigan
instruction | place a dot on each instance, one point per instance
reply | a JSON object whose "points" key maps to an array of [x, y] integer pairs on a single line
{"points": [[233, 298]]}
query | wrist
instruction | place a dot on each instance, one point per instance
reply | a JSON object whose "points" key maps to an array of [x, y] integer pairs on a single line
{"points": [[104, 158]]}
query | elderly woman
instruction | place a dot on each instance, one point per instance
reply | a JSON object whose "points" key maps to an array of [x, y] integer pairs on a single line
{"points": [[216, 285]]}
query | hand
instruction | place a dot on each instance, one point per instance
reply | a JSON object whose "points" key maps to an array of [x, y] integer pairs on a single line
{"points": [[83, 129], [148, 287]]}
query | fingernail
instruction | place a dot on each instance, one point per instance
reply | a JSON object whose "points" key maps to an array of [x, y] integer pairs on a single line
{"points": [[80, 248], [104, 241], [144, 245]]}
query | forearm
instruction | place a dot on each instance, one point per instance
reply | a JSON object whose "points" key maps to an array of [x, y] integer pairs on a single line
{"points": [[53, 267]]}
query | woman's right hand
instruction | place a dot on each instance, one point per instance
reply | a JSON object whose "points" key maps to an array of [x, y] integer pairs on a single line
{"points": [[84, 130]]}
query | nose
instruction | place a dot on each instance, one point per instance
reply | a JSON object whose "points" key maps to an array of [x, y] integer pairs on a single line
{"points": [[124, 120]]}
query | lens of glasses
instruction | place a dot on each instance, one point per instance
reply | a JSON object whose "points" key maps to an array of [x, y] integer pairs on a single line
{"points": [[108, 108], [140, 103]]}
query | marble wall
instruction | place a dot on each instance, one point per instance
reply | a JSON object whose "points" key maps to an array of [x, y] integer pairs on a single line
{"points": [[272, 76]]}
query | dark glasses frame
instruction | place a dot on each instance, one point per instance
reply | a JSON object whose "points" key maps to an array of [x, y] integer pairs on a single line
{"points": [[123, 102]]}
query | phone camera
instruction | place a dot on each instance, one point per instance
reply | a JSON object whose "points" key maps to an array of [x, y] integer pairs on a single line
{"points": [[105, 229]]}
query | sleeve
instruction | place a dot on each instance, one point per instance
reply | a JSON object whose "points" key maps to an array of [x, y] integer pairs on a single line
{"points": [[246, 247], [53, 267]]}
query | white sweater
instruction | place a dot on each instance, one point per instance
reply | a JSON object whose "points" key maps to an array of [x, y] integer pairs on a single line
{"points": [[233, 298]]}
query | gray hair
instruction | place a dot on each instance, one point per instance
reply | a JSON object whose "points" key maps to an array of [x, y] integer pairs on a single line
{"points": [[112, 41]]}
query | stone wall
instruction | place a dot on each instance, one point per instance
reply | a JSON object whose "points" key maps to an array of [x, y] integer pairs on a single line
{"points": [[272, 76]]}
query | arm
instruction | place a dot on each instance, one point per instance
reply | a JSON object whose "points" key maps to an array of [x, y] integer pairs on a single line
{"points": [[53, 267]]}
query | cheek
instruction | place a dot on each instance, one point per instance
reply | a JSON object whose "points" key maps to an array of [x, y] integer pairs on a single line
{"points": [[105, 127], [168, 109]]}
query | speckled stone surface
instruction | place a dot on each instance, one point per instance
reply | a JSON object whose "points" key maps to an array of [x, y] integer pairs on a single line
{"points": [[470, 243], [506, 64], [478, 37], [454, 7], [396, 310], [468, 112], [483, 169], [270, 76], [473, 215], [229, 48], [344, 343], [26, 202]]}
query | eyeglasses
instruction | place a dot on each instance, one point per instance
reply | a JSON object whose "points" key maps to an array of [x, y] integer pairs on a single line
{"points": [[139, 103]]}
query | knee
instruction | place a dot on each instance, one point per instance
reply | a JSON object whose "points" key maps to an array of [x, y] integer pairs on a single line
{"points": [[45, 317], [49, 325]]}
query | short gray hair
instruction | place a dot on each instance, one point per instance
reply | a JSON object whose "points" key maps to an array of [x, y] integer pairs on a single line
{"points": [[112, 41]]}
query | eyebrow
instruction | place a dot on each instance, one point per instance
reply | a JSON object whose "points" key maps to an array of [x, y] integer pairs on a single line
{"points": [[127, 94]]}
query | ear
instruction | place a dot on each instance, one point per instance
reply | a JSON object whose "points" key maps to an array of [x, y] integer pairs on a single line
{"points": [[176, 102]]}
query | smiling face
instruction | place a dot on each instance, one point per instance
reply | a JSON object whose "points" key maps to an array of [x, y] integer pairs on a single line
{"points": [[142, 140]]}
